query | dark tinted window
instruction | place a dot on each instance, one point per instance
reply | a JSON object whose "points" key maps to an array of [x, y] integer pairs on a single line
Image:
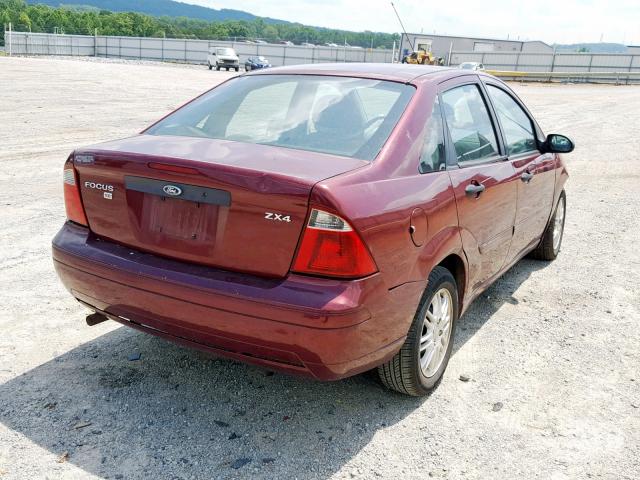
{"points": [[352, 117], [515, 123], [469, 123], [432, 158]]}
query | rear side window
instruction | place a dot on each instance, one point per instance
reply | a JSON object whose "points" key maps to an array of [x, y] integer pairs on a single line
{"points": [[351, 117], [469, 123], [432, 158], [515, 123]]}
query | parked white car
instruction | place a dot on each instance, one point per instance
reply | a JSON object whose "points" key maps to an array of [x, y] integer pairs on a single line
{"points": [[475, 66], [223, 57]]}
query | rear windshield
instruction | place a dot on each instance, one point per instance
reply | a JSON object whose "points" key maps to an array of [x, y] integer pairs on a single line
{"points": [[351, 117]]}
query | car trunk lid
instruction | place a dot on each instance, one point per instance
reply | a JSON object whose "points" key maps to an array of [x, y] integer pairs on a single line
{"points": [[230, 205]]}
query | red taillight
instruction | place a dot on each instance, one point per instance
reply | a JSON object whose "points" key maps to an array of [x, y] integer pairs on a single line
{"points": [[330, 247], [72, 200]]}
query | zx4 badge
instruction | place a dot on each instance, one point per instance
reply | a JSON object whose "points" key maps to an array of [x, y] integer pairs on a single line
{"points": [[277, 217]]}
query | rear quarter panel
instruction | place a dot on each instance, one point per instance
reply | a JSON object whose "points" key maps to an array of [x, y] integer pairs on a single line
{"points": [[379, 199]]}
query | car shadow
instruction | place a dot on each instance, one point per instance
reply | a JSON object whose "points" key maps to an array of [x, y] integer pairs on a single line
{"points": [[178, 413], [501, 292]]}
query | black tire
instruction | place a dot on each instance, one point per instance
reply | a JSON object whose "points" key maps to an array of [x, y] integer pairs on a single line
{"points": [[217, 68], [210, 67], [403, 372], [246, 69], [546, 250], [227, 69], [237, 69]]}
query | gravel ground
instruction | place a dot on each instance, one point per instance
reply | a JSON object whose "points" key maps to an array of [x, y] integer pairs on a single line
{"points": [[551, 350]]}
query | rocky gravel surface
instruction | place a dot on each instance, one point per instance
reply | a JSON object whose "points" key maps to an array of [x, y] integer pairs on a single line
{"points": [[544, 381]]}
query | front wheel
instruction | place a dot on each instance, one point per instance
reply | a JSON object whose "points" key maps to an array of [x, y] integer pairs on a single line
{"points": [[237, 69], [217, 68], [549, 246], [418, 366], [210, 67]]}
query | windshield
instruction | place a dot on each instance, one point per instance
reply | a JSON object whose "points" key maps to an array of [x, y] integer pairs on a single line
{"points": [[350, 117], [467, 66], [225, 52]]}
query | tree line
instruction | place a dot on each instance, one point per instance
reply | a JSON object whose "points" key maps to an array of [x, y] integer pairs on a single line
{"points": [[85, 21]]}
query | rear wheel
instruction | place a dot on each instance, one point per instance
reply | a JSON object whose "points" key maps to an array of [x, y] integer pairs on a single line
{"points": [[418, 366], [549, 246], [217, 67], [210, 67], [237, 69]]}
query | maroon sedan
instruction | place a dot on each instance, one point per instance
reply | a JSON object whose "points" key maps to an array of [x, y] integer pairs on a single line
{"points": [[320, 220]]}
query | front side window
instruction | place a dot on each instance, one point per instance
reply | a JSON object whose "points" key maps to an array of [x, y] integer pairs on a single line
{"points": [[516, 124], [469, 123], [350, 117], [432, 158]]}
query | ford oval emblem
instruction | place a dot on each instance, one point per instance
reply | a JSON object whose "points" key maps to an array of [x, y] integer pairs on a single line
{"points": [[172, 190]]}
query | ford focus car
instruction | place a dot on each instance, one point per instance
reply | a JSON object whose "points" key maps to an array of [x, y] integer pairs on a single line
{"points": [[319, 220]]}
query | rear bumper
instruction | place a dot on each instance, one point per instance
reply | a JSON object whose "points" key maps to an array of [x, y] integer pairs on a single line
{"points": [[327, 329]]}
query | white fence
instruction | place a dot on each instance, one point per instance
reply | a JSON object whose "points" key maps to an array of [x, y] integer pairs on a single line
{"points": [[549, 62], [181, 50]]}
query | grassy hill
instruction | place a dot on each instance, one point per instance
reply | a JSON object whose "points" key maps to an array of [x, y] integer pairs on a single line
{"points": [[166, 18], [159, 8]]}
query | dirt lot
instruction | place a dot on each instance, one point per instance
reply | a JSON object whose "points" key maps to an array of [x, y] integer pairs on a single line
{"points": [[552, 350]]}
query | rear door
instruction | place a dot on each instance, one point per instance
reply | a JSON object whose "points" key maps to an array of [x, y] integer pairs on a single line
{"points": [[483, 181], [535, 171]]}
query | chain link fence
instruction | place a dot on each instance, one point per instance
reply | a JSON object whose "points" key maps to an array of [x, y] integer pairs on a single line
{"points": [[573, 67], [182, 50]]}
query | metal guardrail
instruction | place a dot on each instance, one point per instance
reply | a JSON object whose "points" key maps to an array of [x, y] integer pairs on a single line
{"points": [[618, 78]]}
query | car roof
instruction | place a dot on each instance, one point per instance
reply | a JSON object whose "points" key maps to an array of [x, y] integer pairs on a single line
{"points": [[394, 72]]}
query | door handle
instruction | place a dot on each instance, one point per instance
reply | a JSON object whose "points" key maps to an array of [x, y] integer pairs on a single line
{"points": [[526, 177], [474, 190]]}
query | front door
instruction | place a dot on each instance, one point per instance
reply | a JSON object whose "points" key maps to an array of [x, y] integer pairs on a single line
{"points": [[484, 181]]}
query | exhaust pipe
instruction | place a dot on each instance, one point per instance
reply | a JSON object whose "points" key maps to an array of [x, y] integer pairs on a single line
{"points": [[95, 319]]}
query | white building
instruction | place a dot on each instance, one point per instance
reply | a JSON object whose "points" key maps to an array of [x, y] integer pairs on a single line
{"points": [[441, 45]]}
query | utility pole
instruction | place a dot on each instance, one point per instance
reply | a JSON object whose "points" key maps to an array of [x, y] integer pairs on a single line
{"points": [[403, 29], [10, 37]]}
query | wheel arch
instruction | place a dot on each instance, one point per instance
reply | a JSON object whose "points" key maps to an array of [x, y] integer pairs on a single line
{"points": [[456, 265]]}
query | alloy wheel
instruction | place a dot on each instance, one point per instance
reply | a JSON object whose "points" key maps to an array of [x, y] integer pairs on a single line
{"points": [[558, 224], [436, 332]]}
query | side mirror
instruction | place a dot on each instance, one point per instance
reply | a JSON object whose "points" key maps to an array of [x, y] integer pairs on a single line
{"points": [[556, 143]]}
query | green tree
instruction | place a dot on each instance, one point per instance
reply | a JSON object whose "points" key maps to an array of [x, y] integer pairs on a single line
{"points": [[41, 18]]}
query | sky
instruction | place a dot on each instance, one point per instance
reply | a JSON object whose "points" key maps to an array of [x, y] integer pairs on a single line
{"points": [[552, 21]]}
